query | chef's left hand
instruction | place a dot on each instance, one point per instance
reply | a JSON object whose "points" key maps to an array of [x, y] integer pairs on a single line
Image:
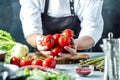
{"points": [[71, 50]]}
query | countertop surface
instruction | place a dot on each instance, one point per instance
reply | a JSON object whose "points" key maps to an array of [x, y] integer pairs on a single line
{"points": [[69, 68], [96, 75]]}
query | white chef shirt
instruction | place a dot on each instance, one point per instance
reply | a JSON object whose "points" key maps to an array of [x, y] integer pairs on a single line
{"points": [[88, 11]]}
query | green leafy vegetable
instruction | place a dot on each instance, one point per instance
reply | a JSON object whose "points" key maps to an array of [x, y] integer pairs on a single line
{"points": [[13, 48], [6, 41], [36, 74]]}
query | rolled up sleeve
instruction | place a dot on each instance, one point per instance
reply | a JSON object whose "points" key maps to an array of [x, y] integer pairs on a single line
{"points": [[92, 20]]}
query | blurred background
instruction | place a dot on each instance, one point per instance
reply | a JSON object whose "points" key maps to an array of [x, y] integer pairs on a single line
{"points": [[9, 20]]}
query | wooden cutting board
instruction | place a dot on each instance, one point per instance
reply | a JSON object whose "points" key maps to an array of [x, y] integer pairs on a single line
{"points": [[72, 59], [60, 60]]}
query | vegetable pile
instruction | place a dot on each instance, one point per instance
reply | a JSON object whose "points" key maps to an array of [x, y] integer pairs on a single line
{"points": [[49, 62], [13, 48], [97, 62], [17, 51], [37, 74], [57, 42]]}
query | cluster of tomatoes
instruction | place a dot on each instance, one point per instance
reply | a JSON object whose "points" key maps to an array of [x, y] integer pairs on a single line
{"points": [[57, 42], [49, 62]]}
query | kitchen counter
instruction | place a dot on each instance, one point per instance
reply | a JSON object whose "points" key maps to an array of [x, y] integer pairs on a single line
{"points": [[69, 68], [97, 75]]}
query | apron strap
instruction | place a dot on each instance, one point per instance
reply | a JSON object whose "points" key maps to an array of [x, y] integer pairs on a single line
{"points": [[46, 6], [71, 7]]}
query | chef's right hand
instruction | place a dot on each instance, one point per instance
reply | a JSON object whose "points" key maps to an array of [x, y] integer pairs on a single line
{"points": [[42, 49]]}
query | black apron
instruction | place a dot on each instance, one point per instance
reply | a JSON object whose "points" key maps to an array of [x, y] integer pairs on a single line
{"points": [[52, 25]]}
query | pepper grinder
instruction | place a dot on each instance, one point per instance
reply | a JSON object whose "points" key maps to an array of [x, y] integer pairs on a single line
{"points": [[110, 46]]}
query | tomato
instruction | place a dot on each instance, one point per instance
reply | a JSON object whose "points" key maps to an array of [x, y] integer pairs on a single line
{"points": [[56, 37], [15, 60], [49, 62], [68, 33], [64, 41], [25, 62], [48, 41], [37, 62], [57, 49]]}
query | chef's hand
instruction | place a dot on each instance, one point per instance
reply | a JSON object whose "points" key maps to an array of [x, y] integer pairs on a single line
{"points": [[71, 50], [42, 49]]}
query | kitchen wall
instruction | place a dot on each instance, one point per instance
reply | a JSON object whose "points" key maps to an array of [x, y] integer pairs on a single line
{"points": [[111, 15], [9, 20]]}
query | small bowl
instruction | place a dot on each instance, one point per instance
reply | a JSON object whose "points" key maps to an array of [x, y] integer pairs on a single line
{"points": [[85, 70]]}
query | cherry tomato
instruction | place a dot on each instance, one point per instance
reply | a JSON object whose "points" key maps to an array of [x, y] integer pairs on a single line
{"points": [[25, 62], [15, 60], [56, 37], [37, 62], [68, 33], [48, 41], [57, 49], [64, 41], [49, 62]]}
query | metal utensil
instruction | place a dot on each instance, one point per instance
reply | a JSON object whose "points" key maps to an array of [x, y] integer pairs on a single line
{"points": [[110, 47]]}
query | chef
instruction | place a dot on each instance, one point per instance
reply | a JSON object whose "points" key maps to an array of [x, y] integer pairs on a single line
{"points": [[42, 17]]}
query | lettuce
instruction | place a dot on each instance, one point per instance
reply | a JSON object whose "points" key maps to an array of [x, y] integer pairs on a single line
{"points": [[13, 48], [6, 41]]}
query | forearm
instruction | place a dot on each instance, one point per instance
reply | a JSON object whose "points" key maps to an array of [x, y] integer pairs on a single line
{"points": [[83, 43], [31, 39]]}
